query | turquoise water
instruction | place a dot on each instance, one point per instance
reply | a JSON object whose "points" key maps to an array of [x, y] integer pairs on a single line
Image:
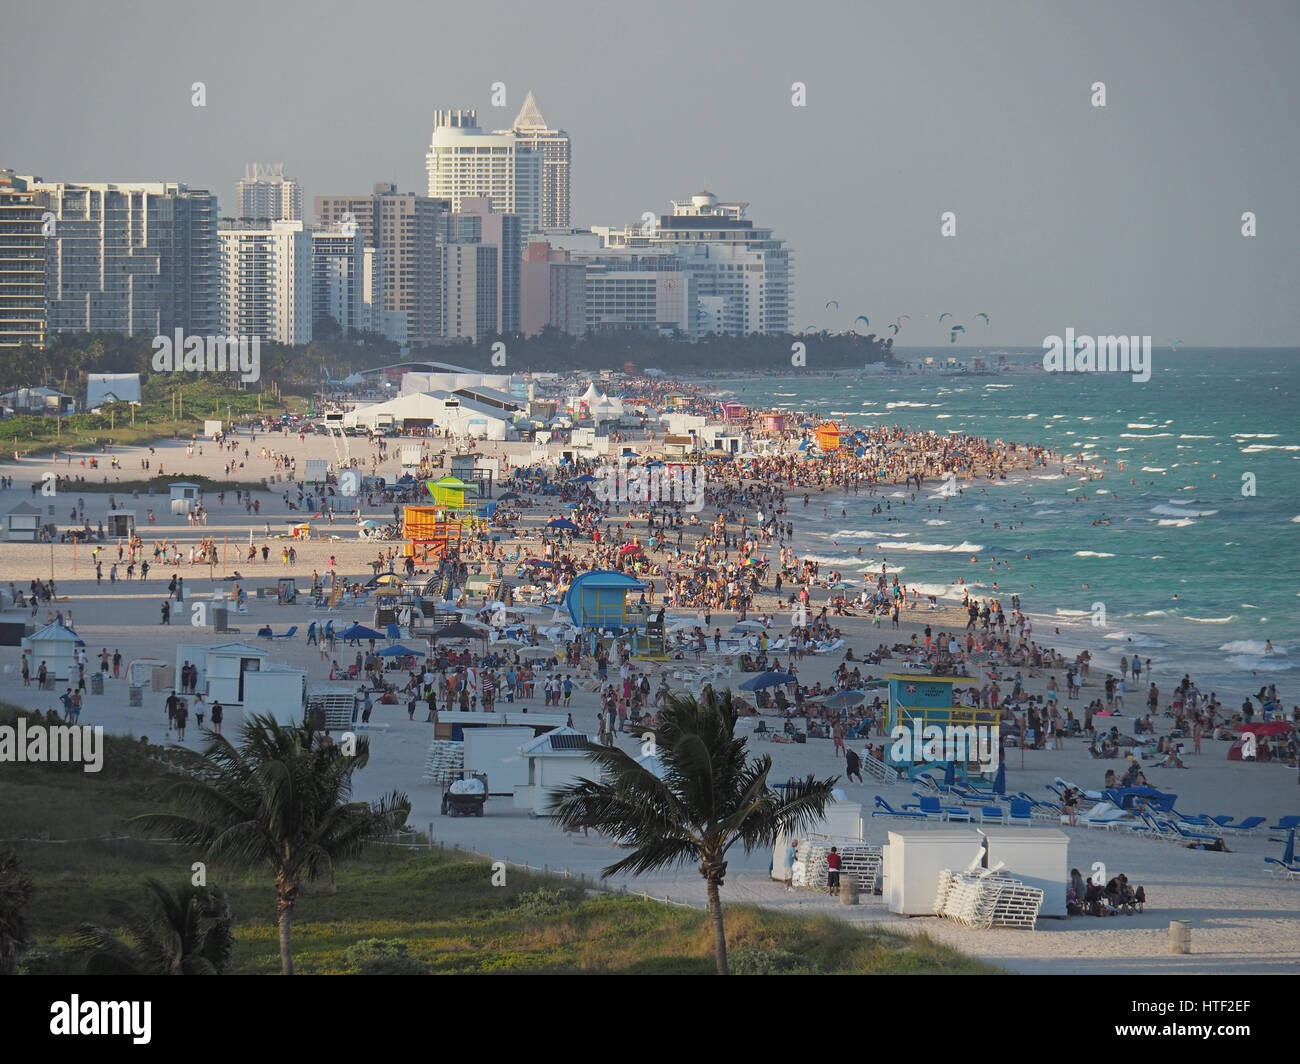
{"points": [[1191, 572]]}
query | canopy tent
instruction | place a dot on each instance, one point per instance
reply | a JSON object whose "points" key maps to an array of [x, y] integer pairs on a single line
{"points": [[357, 632], [458, 630], [399, 651]]}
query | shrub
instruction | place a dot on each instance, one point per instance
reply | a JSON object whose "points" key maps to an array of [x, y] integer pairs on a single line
{"points": [[398, 964], [750, 960], [369, 950], [544, 902]]}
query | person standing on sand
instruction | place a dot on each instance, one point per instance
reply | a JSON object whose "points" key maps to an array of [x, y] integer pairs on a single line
{"points": [[217, 714], [792, 855]]}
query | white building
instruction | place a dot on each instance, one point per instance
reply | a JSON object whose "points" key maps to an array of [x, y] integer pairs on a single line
{"points": [[742, 276], [266, 281], [470, 285], [265, 193], [465, 161], [532, 132]]}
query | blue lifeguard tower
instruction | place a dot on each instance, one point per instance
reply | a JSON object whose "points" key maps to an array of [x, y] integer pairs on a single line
{"points": [[597, 603], [921, 700]]}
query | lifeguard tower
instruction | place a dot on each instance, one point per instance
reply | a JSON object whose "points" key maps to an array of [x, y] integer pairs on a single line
{"points": [[452, 493], [431, 533], [597, 603], [918, 701], [828, 437]]}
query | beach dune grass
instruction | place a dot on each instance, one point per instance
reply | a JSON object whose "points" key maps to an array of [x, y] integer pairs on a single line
{"points": [[440, 903]]}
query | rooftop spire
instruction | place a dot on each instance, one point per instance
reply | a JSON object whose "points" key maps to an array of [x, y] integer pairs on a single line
{"points": [[530, 115]]}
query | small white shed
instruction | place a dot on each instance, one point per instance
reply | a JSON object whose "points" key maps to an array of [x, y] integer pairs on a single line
{"points": [[56, 645], [222, 668], [22, 523], [278, 690], [185, 496], [555, 759]]}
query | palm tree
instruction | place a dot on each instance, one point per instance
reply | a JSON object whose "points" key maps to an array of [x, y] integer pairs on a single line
{"points": [[190, 932], [281, 799], [709, 799]]}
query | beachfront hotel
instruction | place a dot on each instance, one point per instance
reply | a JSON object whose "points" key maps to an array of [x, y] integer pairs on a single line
{"points": [[554, 146], [132, 258], [266, 281], [464, 161], [742, 275], [22, 265]]}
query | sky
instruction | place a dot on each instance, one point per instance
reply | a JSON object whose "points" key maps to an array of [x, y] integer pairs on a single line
{"points": [[1122, 219]]}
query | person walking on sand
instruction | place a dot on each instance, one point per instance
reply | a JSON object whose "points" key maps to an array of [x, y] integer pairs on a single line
{"points": [[792, 855], [182, 714]]}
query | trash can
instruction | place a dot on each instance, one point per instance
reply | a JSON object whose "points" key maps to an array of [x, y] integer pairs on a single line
{"points": [[1180, 936], [848, 889], [96, 683], [135, 696], [220, 618]]}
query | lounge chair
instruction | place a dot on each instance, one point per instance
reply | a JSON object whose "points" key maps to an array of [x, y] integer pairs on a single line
{"points": [[992, 814], [394, 632], [1199, 821], [289, 634], [1276, 867], [1224, 823], [883, 808], [1021, 812], [1196, 836], [930, 806], [1286, 823]]}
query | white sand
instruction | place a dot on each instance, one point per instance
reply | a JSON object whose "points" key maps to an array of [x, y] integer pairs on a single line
{"points": [[1243, 920]]}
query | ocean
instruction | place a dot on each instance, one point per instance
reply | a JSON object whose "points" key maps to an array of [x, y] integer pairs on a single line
{"points": [[1191, 571]]}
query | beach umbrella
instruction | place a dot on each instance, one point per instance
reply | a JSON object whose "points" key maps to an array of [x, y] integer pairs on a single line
{"points": [[562, 522], [458, 630], [399, 651], [1267, 727], [630, 548], [357, 632], [1000, 780], [1288, 855], [586, 478], [845, 700], [770, 678], [949, 773], [874, 685], [843, 585]]}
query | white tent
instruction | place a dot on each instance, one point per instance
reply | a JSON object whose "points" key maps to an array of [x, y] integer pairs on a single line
{"points": [[601, 406]]}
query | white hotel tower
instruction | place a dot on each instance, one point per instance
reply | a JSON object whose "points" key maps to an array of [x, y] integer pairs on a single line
{"points": [[464, 161]]}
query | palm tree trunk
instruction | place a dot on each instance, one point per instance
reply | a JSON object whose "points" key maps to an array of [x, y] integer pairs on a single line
{"points": [[286, 893], [719, 933]]}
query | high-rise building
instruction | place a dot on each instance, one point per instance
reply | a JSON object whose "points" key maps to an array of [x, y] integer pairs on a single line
{"points": [[742, 276], [139, 259], [552, 291], [469, 290], [464, 161], [22, 264], [266, 194], [477, 222], [630, 289], [266, 281], [532, 132], [404, 227], [338, 278]]}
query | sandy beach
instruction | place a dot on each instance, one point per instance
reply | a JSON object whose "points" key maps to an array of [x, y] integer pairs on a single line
{"points": [[1243, 921]]}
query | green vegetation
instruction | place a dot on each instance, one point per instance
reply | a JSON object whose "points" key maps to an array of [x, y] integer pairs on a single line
{"points": [[433, 911], [711, 797]]}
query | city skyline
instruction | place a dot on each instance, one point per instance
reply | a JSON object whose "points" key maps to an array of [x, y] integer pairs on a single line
{"points": [[1067, 214]]}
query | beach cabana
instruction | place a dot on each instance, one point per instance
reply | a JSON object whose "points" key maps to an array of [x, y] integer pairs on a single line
{"points": [[184, 496], [56, 645], [22, 523], [222, 669]]}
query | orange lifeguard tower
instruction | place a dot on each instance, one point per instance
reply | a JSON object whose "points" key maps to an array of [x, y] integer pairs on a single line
{"points": [[828, 437], [430, 534]]}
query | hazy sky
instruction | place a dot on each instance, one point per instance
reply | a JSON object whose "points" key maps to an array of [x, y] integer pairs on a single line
{"points": [[1122, 219]]}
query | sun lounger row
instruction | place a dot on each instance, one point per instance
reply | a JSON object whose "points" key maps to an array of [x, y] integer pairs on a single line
{"points": [[987, 900]]}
